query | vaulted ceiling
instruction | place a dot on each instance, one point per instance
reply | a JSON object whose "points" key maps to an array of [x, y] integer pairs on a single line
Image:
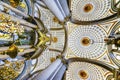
{"points": [[83, 34]]}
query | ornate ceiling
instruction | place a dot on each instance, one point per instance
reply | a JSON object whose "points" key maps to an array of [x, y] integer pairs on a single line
{"points": [[36, 34]]}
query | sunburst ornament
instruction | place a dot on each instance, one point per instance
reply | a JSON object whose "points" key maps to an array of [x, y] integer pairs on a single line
{"points": [[42, 39], [87, 41], [88, 10], [84, 71]]}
